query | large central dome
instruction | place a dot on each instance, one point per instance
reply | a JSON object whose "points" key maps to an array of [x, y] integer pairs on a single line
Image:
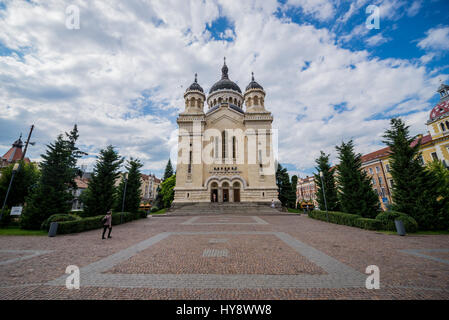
{"points": [[224, 83]]}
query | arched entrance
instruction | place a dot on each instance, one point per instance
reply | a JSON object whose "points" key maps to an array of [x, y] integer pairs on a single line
{"points": [[236, 187], [214, 192], [225, 189]]}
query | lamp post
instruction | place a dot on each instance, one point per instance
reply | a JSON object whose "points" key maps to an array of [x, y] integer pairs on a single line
{"points": [[324, 194], [125, 176], [14, 170]]}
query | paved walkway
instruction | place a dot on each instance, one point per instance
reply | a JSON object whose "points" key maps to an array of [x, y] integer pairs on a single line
{"points": [[226, 257]]}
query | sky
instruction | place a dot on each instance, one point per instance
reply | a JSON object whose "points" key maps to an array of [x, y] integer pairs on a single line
{"points": [[121, 75]]}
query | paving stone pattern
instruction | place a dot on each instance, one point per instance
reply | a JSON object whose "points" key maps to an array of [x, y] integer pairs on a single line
{"points": [[268, 257]]}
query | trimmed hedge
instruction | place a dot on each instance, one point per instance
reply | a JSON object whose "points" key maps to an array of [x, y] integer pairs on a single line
{"points": [[387, 219], [91, 223], [347, 219], [6, 218], [58, 217], [368, 224]]}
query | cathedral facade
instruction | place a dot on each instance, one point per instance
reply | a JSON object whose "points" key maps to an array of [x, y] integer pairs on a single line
{"points": [[225, 145]]}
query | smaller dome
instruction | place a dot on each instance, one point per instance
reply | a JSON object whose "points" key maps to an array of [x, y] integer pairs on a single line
{"points": [[439, 110], [253, 84], [195, 86]]}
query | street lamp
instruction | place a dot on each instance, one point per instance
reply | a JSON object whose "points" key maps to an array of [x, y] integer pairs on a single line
{"points": [[324, 194], [14, 170], [125, 176]]}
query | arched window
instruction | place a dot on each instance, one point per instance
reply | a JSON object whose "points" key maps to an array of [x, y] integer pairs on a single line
{"points": [[223, 144], [256, 101], [220, 100], [447, 125], [216, 148], [442, 126], [234, 153]]}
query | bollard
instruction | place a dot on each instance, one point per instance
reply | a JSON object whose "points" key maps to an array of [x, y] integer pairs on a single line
{"points": [[53, 229], [400, 227]]}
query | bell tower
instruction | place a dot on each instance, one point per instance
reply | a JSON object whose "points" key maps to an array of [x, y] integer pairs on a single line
{"points": [[194, 98], [254, 96]]}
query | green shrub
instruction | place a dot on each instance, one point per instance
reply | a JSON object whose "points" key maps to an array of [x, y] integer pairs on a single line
{"points": [[91, 223], [59, 217], [81, 225], [335, 217], [347, 219], [368, 224], [154, 209], [387, 219], [6, 217]]}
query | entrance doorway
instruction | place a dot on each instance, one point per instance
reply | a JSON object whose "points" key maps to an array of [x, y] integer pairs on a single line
{"points": [[236, 187], [225, 195], [214, 192], [236, 195], [225, 192]]}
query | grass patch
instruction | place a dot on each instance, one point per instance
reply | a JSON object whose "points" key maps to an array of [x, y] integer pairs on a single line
{"points": [[293, 210], [15, 231], [422, 233], [162, 211]]}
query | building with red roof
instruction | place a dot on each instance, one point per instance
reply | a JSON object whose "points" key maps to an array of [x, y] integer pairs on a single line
{"points": [[14, 154], [433, 146]]}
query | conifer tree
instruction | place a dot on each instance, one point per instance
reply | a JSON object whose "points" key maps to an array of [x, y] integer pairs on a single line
{"points": [[158, 202], [415, 189], [101, 192], [286, 194], [24, 179], [168, 170], [58, 171], [330, 190], [294, 184], [133, 187], [167, 191], [355, 191]]}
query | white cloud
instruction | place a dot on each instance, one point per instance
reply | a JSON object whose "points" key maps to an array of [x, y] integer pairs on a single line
{"points": [[353, 8], [122, 76], [391, 9], [414, 8], [320, 9], [436, 39], [376, 40]]}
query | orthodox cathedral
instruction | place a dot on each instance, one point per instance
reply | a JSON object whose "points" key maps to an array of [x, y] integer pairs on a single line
{"points": [[225, 147]]}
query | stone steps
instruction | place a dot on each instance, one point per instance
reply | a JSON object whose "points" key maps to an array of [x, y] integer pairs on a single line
{"points": [[225, 208]]}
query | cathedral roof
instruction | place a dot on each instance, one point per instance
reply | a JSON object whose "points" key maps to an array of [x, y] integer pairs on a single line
{"points": [[253, 84], [225, 82], [195, 86]]}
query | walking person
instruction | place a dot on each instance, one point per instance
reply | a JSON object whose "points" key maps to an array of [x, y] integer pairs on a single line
{"points": [[272, 203], [107, 224]]}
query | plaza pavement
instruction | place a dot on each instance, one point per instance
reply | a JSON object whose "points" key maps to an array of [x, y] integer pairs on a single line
{"points": [[232, 256]]}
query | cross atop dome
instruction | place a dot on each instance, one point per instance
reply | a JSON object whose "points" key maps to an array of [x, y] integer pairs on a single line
{"points": [[224, 70]]}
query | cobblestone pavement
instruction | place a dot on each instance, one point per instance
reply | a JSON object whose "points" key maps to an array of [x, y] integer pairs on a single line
{"points": [[226, 257]]}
